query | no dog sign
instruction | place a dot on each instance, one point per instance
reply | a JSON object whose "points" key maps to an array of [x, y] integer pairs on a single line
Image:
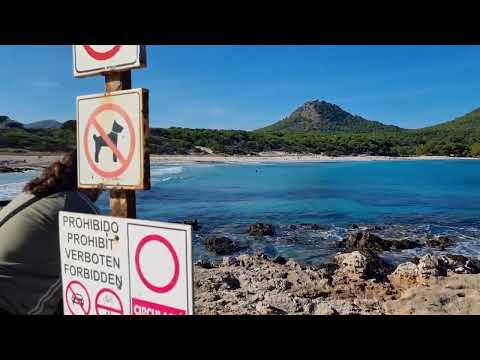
{"points": [[111, 133]]}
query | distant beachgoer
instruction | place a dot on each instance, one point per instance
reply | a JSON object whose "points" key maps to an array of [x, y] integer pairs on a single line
{"points": [[30, 274]]}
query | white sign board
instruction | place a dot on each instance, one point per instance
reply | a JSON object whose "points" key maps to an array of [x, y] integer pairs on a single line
{"points": [[96, 59], [120, 266], [110, 140]]}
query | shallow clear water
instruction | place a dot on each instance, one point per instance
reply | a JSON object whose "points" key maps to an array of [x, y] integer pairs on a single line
{"points": [[414, 198]]}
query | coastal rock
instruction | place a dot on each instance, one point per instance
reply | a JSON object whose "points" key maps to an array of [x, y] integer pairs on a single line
{"points": [[324, 308], [405, 275], [283, 301], [258, 285], [278, 285], [229, 282], [309, 227], [345, 307], [205, 264], [366, 240], [374, 227], [222, 245], [266, 309], [280, 260], [230, 261], [410, 274], [430, 265], [403, 244], [327, 270], [260, 229], [359, 265], [293, 265], [219, 281], [439, 242], [460, 264]]}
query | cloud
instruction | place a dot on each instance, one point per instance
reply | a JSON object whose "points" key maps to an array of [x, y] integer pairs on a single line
{"points": [[46, 84]]}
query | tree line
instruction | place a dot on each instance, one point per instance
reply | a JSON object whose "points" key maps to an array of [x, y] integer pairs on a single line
{"points": [[432, 141]]}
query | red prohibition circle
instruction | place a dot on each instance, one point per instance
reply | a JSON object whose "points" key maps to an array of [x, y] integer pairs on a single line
{"points": [[97, 305], [173, 281], [93, 119], [101, 56], [69, 287]]}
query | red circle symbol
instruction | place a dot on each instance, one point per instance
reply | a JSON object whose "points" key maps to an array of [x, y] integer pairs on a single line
{"points": [[102, 55], [77, 297], [166, 243], [92, 121], [100, 306]]}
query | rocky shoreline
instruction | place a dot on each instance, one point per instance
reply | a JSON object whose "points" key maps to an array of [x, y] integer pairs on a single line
{"points": [[8, 169], [356, 281]]}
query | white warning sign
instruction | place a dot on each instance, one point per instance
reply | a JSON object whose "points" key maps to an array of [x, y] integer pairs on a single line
{"points": [[120, 266], [160, 278], [110, 140], [95, 59]]}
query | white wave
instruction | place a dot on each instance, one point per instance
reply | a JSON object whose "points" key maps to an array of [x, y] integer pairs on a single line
{"points": [[162, 171]]}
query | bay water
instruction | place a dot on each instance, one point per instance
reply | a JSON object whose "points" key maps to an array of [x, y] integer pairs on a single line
{"points": [[403, 198]]}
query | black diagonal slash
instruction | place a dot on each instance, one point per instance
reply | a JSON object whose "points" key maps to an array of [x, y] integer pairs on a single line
{"points": [[75, 294], [109, 142]]}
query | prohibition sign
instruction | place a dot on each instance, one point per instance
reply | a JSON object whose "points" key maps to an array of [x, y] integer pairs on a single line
{"points": [[110, 308], [105, 55], [92, 121], [77, 297], [166, 243]]}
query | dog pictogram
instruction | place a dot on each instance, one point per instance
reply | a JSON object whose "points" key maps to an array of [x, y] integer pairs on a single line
{"points": [[100, 142]]}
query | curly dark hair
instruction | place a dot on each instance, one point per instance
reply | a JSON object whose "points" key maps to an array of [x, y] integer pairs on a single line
{"points": [[59, 176]]}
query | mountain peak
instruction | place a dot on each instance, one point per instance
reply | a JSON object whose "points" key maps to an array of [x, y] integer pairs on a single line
{"points": [[7, 123], [44, 124], [316, 110], [322, 116]]}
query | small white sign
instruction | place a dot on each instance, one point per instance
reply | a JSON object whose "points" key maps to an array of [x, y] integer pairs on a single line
{"points": [[110, 140], [120, 266], [96, 59]]}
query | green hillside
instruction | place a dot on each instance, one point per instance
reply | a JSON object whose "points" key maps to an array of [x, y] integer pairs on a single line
{"points": [[459, 137]]}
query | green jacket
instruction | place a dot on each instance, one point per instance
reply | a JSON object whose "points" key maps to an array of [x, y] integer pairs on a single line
{"points": [[30, 274]]}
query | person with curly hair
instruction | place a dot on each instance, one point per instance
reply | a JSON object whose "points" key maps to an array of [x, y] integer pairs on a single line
{"points": [[30, 272]]}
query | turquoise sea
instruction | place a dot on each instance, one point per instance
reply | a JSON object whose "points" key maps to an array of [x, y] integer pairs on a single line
{"points": [[407, 198]]}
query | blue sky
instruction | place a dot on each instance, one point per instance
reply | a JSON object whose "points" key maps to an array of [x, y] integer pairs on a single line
{"points": [[246, 87]]}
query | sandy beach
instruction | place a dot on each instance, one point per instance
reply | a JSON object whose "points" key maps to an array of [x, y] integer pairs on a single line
{"points": [[159, 159], [28, 160], [41, 160]]}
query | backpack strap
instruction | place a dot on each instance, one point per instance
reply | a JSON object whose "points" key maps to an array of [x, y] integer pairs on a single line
{"points": [[19, 208]]}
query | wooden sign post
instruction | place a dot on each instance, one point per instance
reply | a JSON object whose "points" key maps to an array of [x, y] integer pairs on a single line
{"points": [[150, 271], [117, 122], [122, 202]]}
